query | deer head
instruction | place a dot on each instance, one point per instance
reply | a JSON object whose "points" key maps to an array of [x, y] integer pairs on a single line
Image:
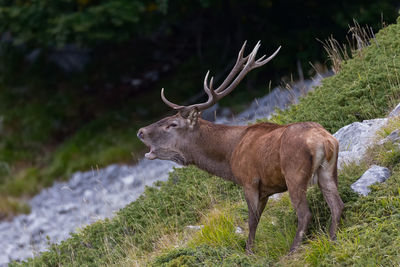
{"points": [[170, 137]]}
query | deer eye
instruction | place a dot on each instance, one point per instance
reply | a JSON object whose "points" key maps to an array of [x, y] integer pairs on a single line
{"points": [[171, 125]]}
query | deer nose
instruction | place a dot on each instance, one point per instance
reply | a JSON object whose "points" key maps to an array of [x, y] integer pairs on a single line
{"points": [[140, 134]]}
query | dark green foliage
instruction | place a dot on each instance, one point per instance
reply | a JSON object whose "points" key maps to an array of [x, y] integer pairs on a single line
{"points": [[90, 22], [202, 256], [83, 22]]}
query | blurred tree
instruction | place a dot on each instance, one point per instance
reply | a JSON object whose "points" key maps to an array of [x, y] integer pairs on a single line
{"points": [[217, 25]]}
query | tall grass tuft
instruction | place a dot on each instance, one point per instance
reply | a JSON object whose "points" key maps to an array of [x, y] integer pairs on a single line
{"points": [[218, 230], [339, 53]]}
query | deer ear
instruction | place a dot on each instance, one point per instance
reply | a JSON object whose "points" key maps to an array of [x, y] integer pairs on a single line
{"points": [[192, 115]]}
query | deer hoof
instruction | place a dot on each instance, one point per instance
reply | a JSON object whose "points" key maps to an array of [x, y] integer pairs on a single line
{"points": [[249, 251]]}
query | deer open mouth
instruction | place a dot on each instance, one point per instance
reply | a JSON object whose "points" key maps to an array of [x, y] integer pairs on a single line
{"points": [[150, 154]]}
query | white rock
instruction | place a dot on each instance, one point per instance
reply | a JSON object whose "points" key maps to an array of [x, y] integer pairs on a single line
{"points": [[355, 138], [127, 180], [87, 194], [195, 227], [238, 230], [375, 174]]}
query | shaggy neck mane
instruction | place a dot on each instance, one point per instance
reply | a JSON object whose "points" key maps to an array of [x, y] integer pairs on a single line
{"points": [[212, 146]]}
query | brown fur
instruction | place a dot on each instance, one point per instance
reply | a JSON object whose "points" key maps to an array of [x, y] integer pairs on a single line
{"points": [[264, 159]]}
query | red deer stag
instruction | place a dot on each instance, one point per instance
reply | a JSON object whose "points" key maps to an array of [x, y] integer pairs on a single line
{"points": [[264, 158]]}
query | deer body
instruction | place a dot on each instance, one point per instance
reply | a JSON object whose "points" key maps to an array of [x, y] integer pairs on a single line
{"points": [[264, 158]]}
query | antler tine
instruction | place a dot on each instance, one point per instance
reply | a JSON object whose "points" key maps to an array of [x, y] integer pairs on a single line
{"points": [[212, 96], [261, 62], [241, 52], [209, 88], [253, 54], [261, 58], [205, 81], [238, 67], [250, 64], [211, 84], [169, 103]]}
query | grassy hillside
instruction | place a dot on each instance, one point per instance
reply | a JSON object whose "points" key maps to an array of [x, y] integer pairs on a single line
{"points": [[366, 87], [152, 230]]}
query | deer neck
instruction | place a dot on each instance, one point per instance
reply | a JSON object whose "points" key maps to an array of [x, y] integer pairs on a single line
{"points": [[212, 147]]}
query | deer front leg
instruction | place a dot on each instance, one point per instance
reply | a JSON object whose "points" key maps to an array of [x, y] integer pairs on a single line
{"points": [[255, 208]]}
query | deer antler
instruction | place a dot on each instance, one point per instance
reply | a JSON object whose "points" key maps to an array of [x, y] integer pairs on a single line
{"points": [[243, 64]]}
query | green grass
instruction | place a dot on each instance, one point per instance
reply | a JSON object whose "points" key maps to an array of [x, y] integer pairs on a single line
{"points": [[367, 87], [10, 207], [368, 234], [218, 230]]}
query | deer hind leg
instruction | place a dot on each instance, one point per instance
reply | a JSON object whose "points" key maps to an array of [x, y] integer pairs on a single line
{"points": [[297, 193], [327, 182], [255, 206]]}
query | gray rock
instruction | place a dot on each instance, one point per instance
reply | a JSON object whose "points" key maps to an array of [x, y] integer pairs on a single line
{"points": [[375, 174], [393, 137], [355, 138], [75, 180], [4, 260], [395, 112], [239, 230], [67, 208], [195, 227]]}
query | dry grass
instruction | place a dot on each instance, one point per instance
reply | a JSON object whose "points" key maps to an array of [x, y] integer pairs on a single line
{"points": [[358, 38], [10, 206]]}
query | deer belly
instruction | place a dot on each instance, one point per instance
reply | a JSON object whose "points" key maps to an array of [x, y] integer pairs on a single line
{"points": [[251, 163]]}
